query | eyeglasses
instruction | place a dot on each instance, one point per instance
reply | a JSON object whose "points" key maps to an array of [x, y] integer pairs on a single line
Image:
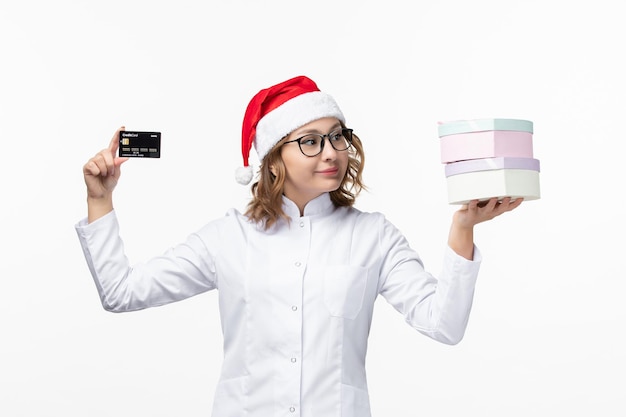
{"points": [[312, 144]]}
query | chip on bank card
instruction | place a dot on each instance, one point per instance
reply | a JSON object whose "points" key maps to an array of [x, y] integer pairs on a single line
{"points": [[140, 144]]}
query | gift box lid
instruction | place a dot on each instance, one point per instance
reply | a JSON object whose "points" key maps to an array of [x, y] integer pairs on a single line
{"points": [[487, 164], [478, 125]]}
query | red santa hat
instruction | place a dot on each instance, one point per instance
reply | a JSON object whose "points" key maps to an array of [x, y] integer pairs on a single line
{"points": [[275, 112]]}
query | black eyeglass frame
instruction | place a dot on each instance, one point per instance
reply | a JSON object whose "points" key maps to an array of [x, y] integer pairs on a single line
{"points": [[345, 132]]}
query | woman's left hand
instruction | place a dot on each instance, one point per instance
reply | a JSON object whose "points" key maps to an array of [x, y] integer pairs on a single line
{"points": [[461, 237], [476, 212]]}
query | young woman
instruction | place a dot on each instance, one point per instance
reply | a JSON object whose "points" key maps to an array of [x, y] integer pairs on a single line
{"points": [[299, 271]]}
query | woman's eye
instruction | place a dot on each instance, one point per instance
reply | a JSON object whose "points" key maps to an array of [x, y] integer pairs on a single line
{"points": [[336, 136], [309, 141]]}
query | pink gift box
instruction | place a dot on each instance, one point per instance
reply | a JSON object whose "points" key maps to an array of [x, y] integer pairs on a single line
{"points": [[486, 144]]}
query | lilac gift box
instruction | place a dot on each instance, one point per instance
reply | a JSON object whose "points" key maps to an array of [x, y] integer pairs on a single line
{"points": [[485, 138], [482, 179]]}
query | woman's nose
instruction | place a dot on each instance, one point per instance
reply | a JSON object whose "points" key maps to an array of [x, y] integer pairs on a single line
{"points": [[328, 152]]}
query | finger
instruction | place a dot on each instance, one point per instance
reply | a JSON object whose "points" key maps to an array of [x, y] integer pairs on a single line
{"points": [[111, 152], [108, 159], [502, 206], [491, 204], [91, 168], [515, 203], [115, 140], [104, 160], [97, 165], [117, 164], [120, 160]]}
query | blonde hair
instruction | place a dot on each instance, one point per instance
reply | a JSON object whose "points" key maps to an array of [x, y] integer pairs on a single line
{"points": [[266, 205]]}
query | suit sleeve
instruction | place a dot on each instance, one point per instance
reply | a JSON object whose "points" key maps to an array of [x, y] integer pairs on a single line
{"points": [[181, 272], [437, 307]]}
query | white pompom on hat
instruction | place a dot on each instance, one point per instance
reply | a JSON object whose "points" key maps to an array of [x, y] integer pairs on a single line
{"points": [[275, 112]]}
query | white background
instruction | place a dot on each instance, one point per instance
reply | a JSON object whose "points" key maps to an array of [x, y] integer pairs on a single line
{"points": [[546, 335]]}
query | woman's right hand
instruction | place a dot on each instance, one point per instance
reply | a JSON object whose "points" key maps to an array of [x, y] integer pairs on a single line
{"points": [[101, 174]]}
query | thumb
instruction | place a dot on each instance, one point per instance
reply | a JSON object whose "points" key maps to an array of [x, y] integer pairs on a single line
{"points": [[117, 162]]}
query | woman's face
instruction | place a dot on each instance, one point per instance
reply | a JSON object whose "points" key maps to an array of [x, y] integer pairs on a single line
{"points": [[308, 177]]}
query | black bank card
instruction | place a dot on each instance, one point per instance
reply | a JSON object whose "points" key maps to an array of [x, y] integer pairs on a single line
{"points": [[140, 144]]}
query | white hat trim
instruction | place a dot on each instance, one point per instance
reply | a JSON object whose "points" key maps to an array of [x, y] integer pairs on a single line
{"points": [[292, 115]]}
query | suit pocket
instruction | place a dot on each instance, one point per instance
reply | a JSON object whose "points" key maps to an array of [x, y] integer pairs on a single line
{"points": [[344, 289]]}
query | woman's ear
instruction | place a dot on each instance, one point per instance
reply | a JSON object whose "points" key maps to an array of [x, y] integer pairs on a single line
{"points": [[273, 169]]}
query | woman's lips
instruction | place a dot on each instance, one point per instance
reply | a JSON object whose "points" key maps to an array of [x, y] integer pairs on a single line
{"points": [[329, 171]]}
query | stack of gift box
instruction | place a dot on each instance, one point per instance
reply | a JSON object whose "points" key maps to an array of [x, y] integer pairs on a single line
{"points": [[487, 158]]}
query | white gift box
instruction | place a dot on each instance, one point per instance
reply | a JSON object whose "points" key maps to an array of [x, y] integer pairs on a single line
{"points": [[482, 179]]}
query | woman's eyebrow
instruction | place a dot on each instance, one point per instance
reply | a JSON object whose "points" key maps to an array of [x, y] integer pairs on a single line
{"points": [[313, 130]]}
